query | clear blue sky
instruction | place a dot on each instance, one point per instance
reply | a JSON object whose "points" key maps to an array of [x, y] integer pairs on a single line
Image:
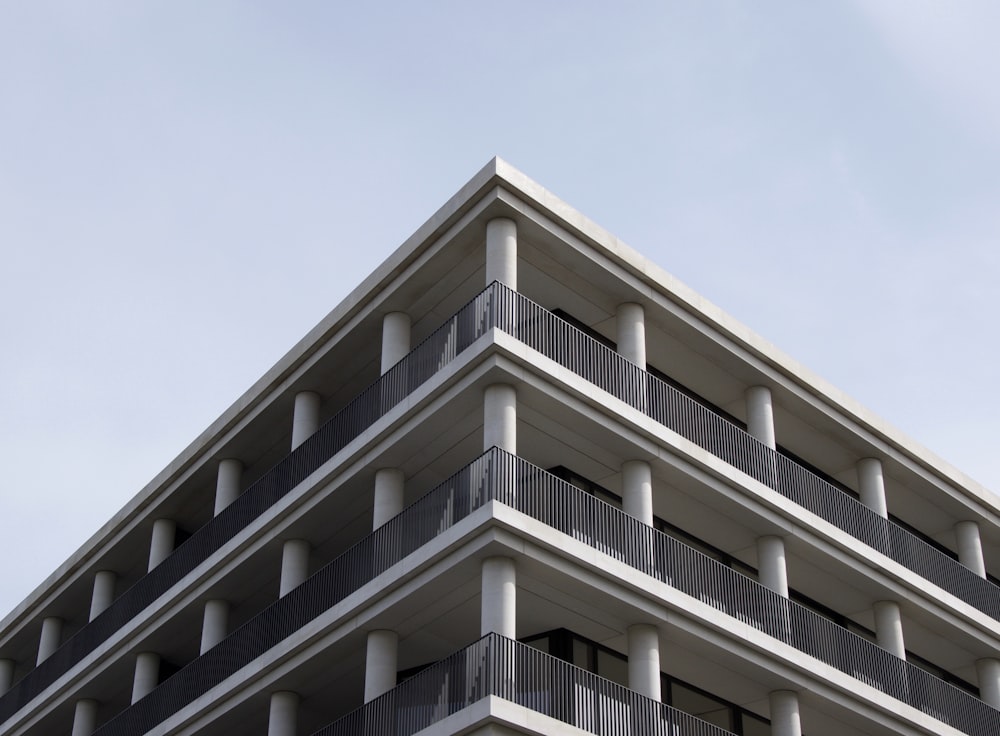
{"points": [[187, 187]]}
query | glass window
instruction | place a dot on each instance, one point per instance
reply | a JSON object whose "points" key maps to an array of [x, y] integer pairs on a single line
{"points": [[701, 705], [754, 725], [612, 666]]}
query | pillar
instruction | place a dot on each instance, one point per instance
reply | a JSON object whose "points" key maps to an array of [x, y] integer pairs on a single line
{"points": [[305, 416], [283, 717], [147, 675], [388, 495], [501, 252], [50, 638], [871, 485], [988, 674], [644, 660], [771, 567], [84, 717], [632, 333], [637, 490], [215, 624], [970, 547], [227, 483], [785, 719], [760, 415], [294, 565], [161, 544], [889, 628], [104, 593], [499, 597], [395, 338], [500, 417], [6, 675], [380, 663]]}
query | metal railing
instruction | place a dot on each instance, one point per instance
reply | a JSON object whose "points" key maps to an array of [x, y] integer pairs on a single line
{"points": [[498, 666]]}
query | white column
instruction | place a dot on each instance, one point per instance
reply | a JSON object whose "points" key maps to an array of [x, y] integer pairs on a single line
{"points": [[283, 717], [871, 485], [227, 483], [988, 674], [632, 333], [84, 717], [388, 495], [380, 662], [889, 628], [214, 624], [51, 637], [771, 567], [785, 719], [294, 565], [499, 597], [500, 417], [104, 593], [161, 544], [147, 675], [305, 416], [637, 490], [970, 547], [6, 675], [644, 660], [501, 252], [760, 415], [395, 338]]}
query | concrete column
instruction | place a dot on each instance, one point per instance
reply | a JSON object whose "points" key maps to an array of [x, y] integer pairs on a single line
{"points": [[50, 639], [305, 416], [760, 415], [380, 663], [282, 720], [161, 544], [644, 660], [294, 565], [785, 720], [970, 547], [6, 674], [214, 624], [84, 717], [637, 490], [500, 417], [228, 482], [871, 485], [988, 674], [388, 495], [147, 675], [632, 333], [889, 628], [501, 252], [771, 567], [499, 597], [395, 338], [104, 593]]}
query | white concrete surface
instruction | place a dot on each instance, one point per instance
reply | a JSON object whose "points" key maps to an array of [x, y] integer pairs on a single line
{"points": [[395, 338], [161, 542], [294, 565], [103, 594], [889, 628], [760, 415], [84, 717], [228, 483], [380, 662], [637, 490], [785, 717], [988, 676], [50, 638], [499, 597], [771, 564], [147, 675], [871, 485], [389, 486], [501, 252], [283, 714], [214, 623], [970, 547], [305, 416], [500, 417], [644, 660], [631, 319], [6, 674]]}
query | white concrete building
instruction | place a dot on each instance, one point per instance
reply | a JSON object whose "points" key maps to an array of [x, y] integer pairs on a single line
{"points": [[517, 459]]}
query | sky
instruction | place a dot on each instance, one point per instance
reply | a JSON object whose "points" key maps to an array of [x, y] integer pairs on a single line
{"points": [[186, 188]]}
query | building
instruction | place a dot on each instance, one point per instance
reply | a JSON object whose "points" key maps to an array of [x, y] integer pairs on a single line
{"points": [[519, 454]]}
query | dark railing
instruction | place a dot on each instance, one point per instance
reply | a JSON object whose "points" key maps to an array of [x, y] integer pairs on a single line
{"points": [[498, 666], [498, 476]]}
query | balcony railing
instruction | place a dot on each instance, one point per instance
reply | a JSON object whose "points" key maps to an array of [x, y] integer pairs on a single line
{"points": [[498, 476], [498, 666]]}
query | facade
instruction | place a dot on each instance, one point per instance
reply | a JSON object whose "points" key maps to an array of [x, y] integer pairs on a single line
{"points": [[523, 481]]}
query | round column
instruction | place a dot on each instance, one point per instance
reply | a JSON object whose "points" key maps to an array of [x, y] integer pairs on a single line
{"points": [[227, 483], [771, 567], [6, 675], [305, 416], [104, 593], [388, 495], [632, 333], [637, 490], [760, 415], [161, 543], [283, 717], [395, 338], [644, 660], [889, 628], [871, 485], [501, 252], [785, 719], [215, 624], [380, 662], [84, 717], [294, 565], [988, 674], [970, 547], [499, 597], [50, 638], [147, 675], [500, 417]]}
